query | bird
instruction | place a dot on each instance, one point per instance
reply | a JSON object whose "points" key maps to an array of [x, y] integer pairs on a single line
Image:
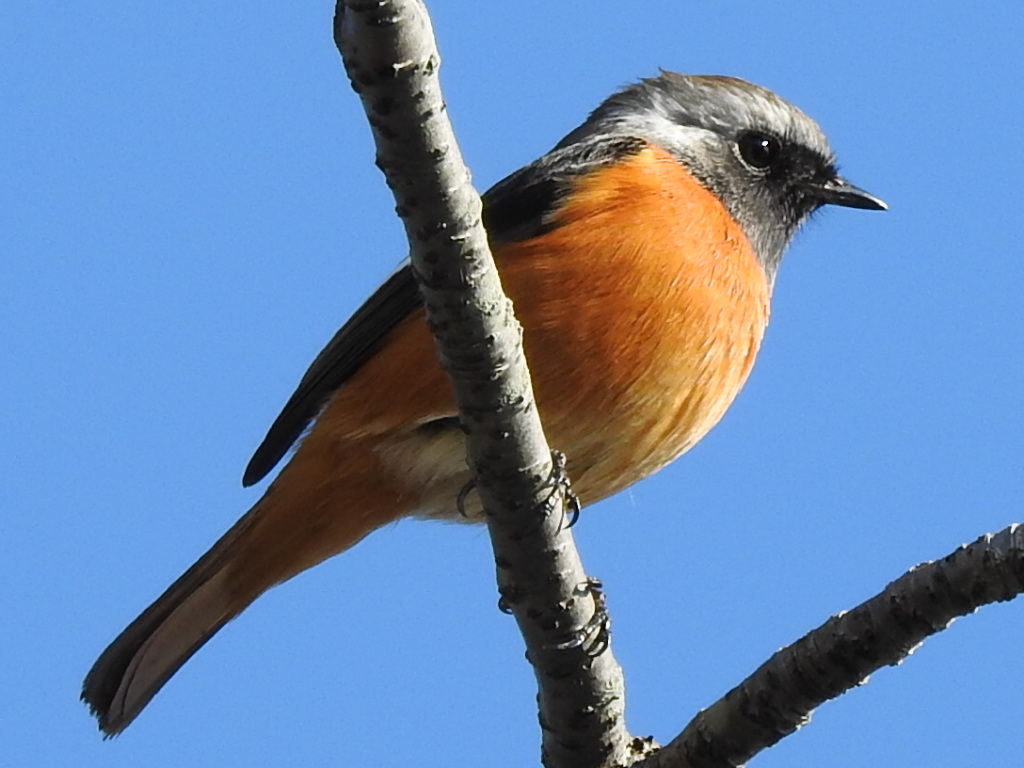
{"points": [[640, 254]]}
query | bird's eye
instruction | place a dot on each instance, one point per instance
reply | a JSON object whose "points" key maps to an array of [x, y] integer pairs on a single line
{"points": [[758, 150]]}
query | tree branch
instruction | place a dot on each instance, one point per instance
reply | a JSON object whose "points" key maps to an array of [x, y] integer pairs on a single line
{"points": [[390, 57], [391, 60], [840, 654]]}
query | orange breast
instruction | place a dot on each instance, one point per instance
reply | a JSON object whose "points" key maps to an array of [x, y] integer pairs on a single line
{"points": [[642, 312]]}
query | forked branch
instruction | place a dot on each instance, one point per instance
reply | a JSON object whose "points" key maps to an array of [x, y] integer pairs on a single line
{"points": [[391, 59]]}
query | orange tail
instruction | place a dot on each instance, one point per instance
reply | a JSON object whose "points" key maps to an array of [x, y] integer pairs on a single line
{"points": [[305, 517]]}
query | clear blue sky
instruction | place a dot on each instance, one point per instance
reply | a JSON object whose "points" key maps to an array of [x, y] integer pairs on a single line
{"points": [[189, 209]]}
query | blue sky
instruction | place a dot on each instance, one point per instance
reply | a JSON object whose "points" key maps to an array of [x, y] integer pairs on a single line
{"points": [[190, 209]]}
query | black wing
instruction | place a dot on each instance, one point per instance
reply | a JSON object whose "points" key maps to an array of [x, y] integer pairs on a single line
{"points": [[351, 346], [516, 208]]}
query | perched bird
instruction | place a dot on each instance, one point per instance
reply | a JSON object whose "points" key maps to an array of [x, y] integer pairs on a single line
{"points": [[640, 255]]}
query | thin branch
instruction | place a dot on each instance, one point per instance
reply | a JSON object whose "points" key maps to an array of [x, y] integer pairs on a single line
{"points": [[390, 57], [839, 655]]}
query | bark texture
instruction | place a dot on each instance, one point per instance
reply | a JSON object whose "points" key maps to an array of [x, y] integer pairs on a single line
{"points": [[390, 57]]}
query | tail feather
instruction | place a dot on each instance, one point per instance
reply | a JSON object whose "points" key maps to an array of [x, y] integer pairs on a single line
{"points": [[311, 512], [154, 646]]}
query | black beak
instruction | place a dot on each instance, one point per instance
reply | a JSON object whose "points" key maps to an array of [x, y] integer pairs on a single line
{"points": [[838, 191]]}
